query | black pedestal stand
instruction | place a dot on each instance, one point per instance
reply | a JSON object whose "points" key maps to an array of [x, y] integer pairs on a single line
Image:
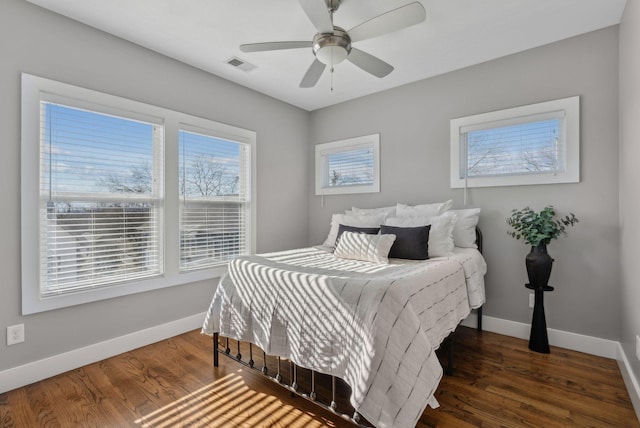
{"points": [[538, 340]]}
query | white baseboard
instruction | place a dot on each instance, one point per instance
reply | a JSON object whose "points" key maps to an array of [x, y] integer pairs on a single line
{"points": [[563, 339], [630, 379], [26, 374]]}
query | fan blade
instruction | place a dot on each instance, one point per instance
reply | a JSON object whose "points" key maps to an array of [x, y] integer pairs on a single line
{"points": [[273, 46], [389, 22], [369, 63], [318, 14], [313, 74]]}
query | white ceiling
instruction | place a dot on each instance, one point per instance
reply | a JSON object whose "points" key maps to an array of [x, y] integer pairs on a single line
{"points": [[456, 34]]}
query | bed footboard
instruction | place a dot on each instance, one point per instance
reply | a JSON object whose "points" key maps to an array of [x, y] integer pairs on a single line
{"points": [[291, 383], [311, 387]]}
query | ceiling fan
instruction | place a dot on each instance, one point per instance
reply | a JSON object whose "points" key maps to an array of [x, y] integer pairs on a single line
{"points": [[332, 44]]}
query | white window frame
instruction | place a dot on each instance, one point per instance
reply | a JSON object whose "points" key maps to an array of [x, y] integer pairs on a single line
{"points": [[33, 88], [569, 109], [322, 165]]}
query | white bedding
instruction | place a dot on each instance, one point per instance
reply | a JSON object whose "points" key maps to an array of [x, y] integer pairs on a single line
{"points": [[374, 325]]}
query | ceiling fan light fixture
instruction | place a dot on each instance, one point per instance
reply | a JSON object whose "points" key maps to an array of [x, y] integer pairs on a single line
{"points": [[332, 49], [331, 55]]}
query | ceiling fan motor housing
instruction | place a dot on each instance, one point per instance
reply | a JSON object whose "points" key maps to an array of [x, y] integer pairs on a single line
{"points": [[332, 48]]}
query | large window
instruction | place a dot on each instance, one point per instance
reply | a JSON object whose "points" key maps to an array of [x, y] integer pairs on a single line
{"points": [[120, 197], [100, 198], [214, 197], [534, 144], [348, 166]]}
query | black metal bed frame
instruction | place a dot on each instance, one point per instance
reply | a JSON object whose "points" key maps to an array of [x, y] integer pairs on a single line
{"points": [[294, 387], [311, 395]]}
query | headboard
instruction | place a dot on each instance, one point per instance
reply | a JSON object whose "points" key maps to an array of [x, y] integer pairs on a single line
{"points": [[479, 239]]}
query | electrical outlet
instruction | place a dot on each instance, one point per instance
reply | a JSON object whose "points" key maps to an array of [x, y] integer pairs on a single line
{"points": [[15, 334], [638, 347], [532, 300]]}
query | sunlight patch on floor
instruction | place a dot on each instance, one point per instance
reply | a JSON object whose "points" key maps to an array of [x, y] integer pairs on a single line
{"points": [[229, 402]]}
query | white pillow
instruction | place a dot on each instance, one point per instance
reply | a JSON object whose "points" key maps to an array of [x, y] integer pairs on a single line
{"points": [[464, 231], [351, 220], [426, 210], [360, 246], [441, 233], [374, 211]]}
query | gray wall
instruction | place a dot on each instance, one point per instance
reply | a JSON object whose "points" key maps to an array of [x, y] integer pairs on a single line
{"points": [[414, 124], [413, 121], [630, 178], [39, 42]]}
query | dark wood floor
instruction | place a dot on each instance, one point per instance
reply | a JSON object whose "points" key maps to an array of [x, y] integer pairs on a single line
{"points": [[498, 383]]}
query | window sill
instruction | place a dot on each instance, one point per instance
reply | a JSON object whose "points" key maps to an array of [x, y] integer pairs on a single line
{"points": [[32, 303]]}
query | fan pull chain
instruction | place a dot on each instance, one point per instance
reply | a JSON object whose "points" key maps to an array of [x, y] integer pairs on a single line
{"points": [[331, 79], [331, 17]]}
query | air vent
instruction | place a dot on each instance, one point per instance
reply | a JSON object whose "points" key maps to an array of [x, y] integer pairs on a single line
{"points": [[241, 64]]}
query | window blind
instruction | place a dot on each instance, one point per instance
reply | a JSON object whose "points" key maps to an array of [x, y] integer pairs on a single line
{"points": [[525, 145], [100, 199], [215, 197], [350, 168]]}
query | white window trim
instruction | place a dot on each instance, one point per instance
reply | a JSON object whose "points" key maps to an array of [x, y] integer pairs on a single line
{"points": [[322, 172], [32, 89], [571, 173]]}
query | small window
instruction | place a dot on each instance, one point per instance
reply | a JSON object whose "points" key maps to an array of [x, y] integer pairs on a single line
{"points": [[535, 144], [348, 166]]}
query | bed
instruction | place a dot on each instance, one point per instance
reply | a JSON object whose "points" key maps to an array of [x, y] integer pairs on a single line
{"points": [[376, 326]]}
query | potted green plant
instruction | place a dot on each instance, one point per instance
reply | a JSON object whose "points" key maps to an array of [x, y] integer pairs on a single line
{"points": [[538, 229]]}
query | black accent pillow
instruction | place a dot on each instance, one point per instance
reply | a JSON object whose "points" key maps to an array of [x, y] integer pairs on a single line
{"points": [[411, 242], [344, 228]]}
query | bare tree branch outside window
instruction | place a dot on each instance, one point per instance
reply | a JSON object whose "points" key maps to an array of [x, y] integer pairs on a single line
{"points": [[516, 149]]}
